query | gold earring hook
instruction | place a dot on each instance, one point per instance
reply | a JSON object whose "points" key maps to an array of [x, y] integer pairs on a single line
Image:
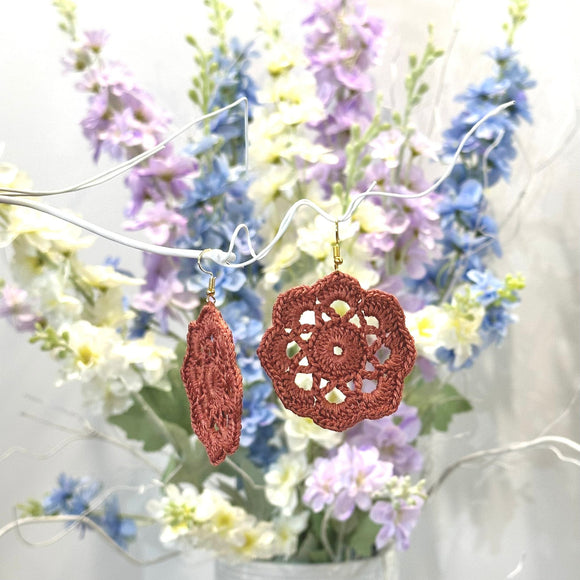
{"points": [[211, 283], [336, 250]]}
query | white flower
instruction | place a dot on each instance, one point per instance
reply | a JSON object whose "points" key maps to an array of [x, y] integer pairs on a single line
{"points": [[283, 479], [372, 218], [276, 180], [52, 297], [461, 333], [316, 238], [286, 255], [12, 177], [43, 233], [283, 57], [109, 309], [176, 511], [300, 431], [255, 540], [150, 357], [104, 277], [427, 326], [454, 326], [96, 359], [287, 531]]}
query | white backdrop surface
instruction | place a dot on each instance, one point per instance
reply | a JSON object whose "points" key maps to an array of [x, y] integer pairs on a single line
{"points": [[515, 518]]}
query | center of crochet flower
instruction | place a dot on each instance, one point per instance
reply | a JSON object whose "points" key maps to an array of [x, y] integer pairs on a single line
{"points": [[338, 351]]}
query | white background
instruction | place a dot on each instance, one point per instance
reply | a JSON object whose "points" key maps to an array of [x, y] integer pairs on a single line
{"points": [[488, 520]]}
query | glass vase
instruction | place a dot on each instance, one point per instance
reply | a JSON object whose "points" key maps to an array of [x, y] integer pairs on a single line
{"points": [[382, 567]]}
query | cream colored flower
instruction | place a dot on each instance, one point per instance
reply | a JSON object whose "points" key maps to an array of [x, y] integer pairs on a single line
{"points": [[287, 530], [427, 327], [300, 431], [43, 233], [282, 481], [50, 292], [286, 255], [371, 218], [282, 58], [461, 333], [316, 238], [176, 511], [255, 540], [275, 181], [97, 361], [104, 277], [12, 177], [109, 310], [151, 358]]}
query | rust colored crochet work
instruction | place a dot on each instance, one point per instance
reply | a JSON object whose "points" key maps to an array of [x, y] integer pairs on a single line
{"points": [[213, 383], [337, 353]]}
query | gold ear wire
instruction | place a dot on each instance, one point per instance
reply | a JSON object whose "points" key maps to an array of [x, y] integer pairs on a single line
{"points": [[211, 283], [336, 250]]}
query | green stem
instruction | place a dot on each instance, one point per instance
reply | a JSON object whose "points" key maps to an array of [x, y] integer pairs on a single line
{"points": [[324, 535], [150, 412], [340, 542]]}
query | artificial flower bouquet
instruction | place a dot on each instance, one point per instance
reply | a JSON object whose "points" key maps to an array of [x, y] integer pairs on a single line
{"points": [[319, 131]]}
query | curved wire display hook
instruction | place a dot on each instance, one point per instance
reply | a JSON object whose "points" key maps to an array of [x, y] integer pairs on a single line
{"points": [[219, 256]]}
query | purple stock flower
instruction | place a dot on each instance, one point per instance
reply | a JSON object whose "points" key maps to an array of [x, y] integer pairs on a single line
{"points": [[362, 474], [397, 522], [342, 41], [161, 179], [321, 485], [124, 120], [163, 294], [13, 306], [121, 114], [346, 480], [392, 437], [162, 223]]}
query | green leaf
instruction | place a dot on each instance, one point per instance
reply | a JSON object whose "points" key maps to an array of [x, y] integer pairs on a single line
{"points": [[318, 556], [171, 407], [194, 465], [437, 403], [307, 546], [362, 540], [137, 425]]}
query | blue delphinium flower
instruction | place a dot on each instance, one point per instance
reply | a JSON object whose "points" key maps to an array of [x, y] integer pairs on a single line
{"points": [[510, 82], [258, 428], [119, 528], [499, 299], [470, 234], [72, 496], [232, 83], [216, 204]]}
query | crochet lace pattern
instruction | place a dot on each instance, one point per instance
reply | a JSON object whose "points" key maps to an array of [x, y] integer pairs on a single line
{"points": [[213, 383], [337, 353]]}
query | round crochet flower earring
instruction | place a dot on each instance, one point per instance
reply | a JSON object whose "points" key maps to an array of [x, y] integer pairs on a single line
{"points": [[337, 353], [213, 382]]}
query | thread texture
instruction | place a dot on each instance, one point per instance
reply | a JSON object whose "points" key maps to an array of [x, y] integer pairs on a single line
{"points": [[337, 353], [213, 383]]}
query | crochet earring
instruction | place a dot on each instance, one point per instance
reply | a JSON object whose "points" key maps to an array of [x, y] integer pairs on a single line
{"points": [[212, 379], [337, 353]]}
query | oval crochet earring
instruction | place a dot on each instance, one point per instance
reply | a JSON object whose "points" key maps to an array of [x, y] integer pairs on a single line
{"points": [[213, 382], [337, 353]]}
